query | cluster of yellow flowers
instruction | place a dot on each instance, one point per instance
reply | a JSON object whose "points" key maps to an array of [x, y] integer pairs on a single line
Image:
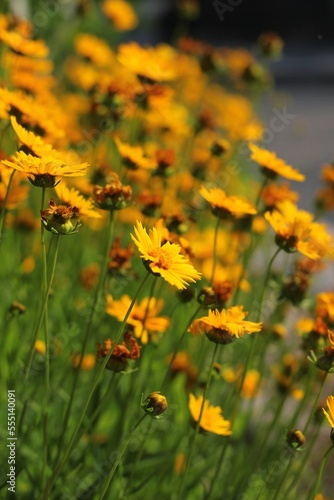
{"points": [[161, 139]]}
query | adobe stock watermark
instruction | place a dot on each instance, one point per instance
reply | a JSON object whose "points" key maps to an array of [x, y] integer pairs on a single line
{"points": [[224, 7]]}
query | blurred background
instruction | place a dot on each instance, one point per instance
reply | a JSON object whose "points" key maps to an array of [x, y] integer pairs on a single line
{"points": [[304, 75]]}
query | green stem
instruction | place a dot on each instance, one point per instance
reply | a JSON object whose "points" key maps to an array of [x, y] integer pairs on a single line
{"points": [[219, 465], [265, 283], [119, 458], [59, 466], [214, 251], [90, 321], [321, 469], [315, 404], [197, 428], [177, 348], [42, 312], [4, 204], [282, 481]]}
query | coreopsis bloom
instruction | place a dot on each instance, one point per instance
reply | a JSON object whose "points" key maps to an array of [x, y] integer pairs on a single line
{"points": [[113, 196], [60, 219], [144, 317], [325, 306], [118, 361], [120, 258], [212, 419], [223, 327], [73, 197], [330, 415], [42, 172], [272, 166], [164, 260], [121, 14], [296, 231], [18, 192], [226, 207], [275, 193], [23, 45], [155, 405], [32, 144], [133, 156], [151, 64]]}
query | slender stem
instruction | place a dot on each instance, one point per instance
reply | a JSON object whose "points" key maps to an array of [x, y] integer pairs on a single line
{"points": [[315, 404], [90, 321], [4, 204], [214, 251], [299, 472], [197, 428], [177, 348], [42, 312], [282, 481], [59, 466], [219, 465], [119, 458], [263, 185], [259, 311], [321, 469], [253, 339]]}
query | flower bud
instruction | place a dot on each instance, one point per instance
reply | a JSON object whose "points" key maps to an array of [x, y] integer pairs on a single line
{"points": [[295, 439], [155, 405]]}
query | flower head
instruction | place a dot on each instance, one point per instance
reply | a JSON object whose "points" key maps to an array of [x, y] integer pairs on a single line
{"points": [[223, 327], [121, 14], [296, 231], [226, 207], [164, 260], [144, 317], [155, 405], [118, 361], [113, 196], [212, 419], [60, 221], [330, 415], [272, 166], [44, 170]]}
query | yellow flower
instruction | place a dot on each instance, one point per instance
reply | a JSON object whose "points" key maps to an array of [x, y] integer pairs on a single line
{"points": [[330, 415], [165, 260], [223, 327], [274, 193], [154, 64], [133, 156], [296, 231], [71, 196], [143, 318], [22, 45], [121, 14], [44, 170], [224, 206], [32, 144], [272, 165], [212, 419]]}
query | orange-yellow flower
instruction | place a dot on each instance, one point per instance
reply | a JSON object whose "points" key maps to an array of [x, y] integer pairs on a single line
{"points": [[295, 231], [226, 206], [330, 415], [133, 156], [71, 196], [272, 166], [165, 260], [212, 419], [121, 14], [144, 317], [44, 170], [223, 327]]}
